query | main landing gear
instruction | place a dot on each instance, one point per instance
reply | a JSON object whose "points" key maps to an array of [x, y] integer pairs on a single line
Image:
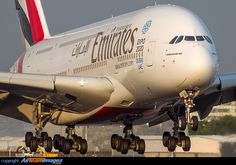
{"points": [[41, 139], [72, 141], [182, 120], [130, 141], [177, 139]]}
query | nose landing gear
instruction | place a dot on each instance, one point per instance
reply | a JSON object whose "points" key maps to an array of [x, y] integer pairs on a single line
{"points": [[182, 120]]}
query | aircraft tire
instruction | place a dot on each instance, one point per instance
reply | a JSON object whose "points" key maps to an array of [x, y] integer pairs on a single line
{"points": [[28, 137], [56, 139], [124, 147], [48, 146], [141, 146], [182, 136], [118, 143], [66, 146], [186, 144], [44, 136], [33, 144], [165, 138], [136, 140], [172, 144], [113, 141], [194, 123], [61, 141], [182, 123], [83, 146]]}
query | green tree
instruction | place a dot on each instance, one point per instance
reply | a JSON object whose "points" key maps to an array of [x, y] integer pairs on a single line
{"points": [[223, 126]]}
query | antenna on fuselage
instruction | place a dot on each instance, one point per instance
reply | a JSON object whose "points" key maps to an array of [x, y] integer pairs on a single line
{"points": [[155, 3]]}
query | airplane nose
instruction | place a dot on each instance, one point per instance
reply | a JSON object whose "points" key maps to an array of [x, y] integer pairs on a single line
{"points": [[202, 67]]}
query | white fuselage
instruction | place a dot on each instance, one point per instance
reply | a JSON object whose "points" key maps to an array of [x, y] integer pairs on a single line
{"points": [[134, 51]]}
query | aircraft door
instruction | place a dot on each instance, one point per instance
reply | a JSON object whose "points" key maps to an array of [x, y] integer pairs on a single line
{"points": [[150, 53]]}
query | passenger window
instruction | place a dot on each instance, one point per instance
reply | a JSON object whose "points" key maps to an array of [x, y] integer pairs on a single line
{"points": [[200, 38], [189, 38], [208, 39], [173, 40], [180, 39]]}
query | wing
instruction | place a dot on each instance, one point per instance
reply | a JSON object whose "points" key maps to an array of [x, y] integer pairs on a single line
{"points": [[77, 94], [222, 91]]}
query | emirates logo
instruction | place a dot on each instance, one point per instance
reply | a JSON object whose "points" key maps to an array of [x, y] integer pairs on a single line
{"points": [[147, 26]]}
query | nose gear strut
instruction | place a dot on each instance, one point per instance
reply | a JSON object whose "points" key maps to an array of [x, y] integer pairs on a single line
{"points": [[182, 119]]}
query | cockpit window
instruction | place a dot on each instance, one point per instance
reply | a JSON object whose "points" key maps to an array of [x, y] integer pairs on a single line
{"points": [[200, 38], [189, 38], [208, 39], [180, 39], [173, 40]]}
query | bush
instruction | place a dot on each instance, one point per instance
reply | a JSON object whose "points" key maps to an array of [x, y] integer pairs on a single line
{"points": [[223, 126]]}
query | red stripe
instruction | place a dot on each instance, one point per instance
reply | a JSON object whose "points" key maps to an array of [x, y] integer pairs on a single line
{"points": [[35, 22], [20, 64]]}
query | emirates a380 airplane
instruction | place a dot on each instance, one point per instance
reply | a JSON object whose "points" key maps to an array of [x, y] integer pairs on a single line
{"points": [[146, 67]]}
